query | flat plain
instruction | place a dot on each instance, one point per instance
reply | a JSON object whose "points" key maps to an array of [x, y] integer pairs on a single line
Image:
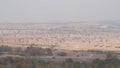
{"points": [[67, 36]]}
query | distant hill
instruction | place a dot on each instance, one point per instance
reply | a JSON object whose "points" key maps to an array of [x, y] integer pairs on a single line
{"points": [[112, 22]]}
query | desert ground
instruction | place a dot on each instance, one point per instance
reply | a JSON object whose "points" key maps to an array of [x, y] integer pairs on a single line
{"points": [[80, 41], [68, 36]]}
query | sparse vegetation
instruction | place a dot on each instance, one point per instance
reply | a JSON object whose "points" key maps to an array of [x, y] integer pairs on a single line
{"points": [[38, 47], [12, 62], [5, 48]]}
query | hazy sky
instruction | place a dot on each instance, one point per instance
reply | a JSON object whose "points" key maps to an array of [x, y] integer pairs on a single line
{"points": [[58, 10]]}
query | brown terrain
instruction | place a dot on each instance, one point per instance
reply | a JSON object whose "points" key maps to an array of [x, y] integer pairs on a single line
{"points": [[68, 36], [81, 41]]}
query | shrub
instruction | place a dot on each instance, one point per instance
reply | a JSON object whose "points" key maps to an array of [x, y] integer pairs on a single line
{"points": [[5, 48], [62, 54]]}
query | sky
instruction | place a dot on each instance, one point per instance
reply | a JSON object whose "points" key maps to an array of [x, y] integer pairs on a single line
{"points": [[58, 10]]}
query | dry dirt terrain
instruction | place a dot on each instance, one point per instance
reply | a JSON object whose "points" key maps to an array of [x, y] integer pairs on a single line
{"points": [[67, 36]]}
